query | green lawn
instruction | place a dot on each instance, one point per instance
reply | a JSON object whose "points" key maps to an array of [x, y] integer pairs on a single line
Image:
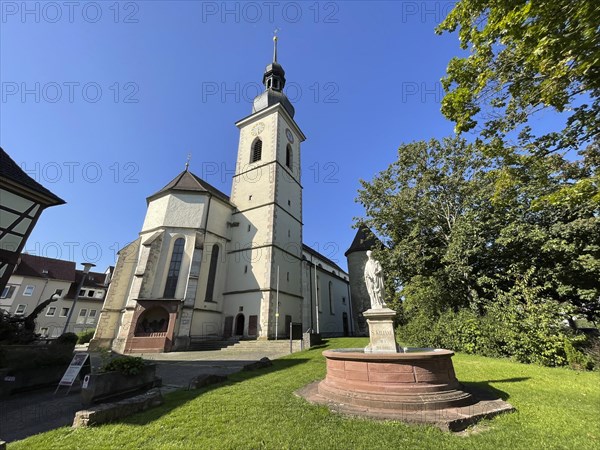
{"points": [[556, 408]]}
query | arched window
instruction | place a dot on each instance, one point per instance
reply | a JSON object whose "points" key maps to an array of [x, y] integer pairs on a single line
{"points": [[288, 156], [256, 151], [212, 273], [331, 308], [173, 274]]}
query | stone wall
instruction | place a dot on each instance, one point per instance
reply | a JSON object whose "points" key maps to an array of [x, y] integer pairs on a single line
{"points": [[110, 316], [110, 412]]}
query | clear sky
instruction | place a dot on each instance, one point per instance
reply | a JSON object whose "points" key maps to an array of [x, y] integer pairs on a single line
{"points": [[102, 102]]}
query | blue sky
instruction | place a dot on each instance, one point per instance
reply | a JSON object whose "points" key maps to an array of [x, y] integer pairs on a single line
{"points": [[102, 102]]}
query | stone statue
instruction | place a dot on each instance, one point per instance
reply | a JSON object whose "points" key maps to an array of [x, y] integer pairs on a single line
{"points": [[374, 282]]}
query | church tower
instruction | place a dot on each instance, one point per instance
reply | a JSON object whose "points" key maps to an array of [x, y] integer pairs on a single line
{"points": [[264, 276]]}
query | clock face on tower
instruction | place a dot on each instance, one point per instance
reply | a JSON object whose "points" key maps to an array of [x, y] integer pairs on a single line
{"points": [[289, 135], [257, 129]]}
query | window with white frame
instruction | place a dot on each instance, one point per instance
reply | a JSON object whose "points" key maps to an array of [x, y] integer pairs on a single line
{"points": [[59, 292], [51, 311], [99, 294], [64, 312], [91, 318], [44, 332], [20, 310], [8, 291], [28, 291], [56, 332], [91, 293], [82, 315]]}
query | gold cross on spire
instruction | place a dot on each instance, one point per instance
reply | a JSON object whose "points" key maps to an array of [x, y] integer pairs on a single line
{"points": [[275, 31]]}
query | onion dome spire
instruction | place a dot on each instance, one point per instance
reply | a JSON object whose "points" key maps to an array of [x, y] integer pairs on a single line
{"points": [[274, 82]]}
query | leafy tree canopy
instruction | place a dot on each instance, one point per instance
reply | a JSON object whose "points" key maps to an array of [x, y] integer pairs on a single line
{"points": [[449, 246], [526, 56]]}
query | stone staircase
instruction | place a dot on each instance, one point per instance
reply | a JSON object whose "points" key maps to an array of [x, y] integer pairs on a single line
{"points": [[282, 345], [204, 345], [235, 345]]}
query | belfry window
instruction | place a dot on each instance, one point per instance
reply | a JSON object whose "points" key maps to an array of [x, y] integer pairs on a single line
{"points": [[173, 274], [256, 151], [212, 273], [288, 156]]}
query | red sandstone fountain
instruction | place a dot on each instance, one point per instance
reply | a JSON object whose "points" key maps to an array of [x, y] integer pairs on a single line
{"points": [[416, 385]]}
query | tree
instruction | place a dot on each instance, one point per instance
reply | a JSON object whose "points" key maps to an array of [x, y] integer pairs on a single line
{"points": [[457, 234], [415, 205], [505, 230], [526, 56]]}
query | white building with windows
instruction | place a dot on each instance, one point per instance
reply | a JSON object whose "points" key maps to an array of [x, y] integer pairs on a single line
{"points": [[36, 279], [208, 265]]}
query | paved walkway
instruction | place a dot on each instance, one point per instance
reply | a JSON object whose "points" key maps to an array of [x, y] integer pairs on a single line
{"points": [[177, 368], [26, 414]]}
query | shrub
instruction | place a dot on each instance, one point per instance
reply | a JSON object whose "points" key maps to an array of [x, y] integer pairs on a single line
{"points": [[13, 330], [67, 339], [531, 326], [126, 365], [518, 325], [576, 358], [592, 349], [85, 336], [22, 357]]}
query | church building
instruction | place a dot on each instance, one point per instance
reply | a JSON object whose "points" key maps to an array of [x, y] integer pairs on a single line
{"points": [[207, 265]]}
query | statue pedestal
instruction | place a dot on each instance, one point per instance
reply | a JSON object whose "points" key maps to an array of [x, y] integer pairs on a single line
{"points": [[381, 330]]}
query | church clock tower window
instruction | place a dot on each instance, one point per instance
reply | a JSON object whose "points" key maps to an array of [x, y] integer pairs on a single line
{"points": [[173, 274], [288, 156], [256, 151]]}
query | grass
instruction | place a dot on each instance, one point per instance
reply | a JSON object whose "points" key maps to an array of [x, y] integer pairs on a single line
{"points": [[556, 408]]}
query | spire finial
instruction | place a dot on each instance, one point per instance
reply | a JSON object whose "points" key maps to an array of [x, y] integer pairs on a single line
{"points": [[275, 44], [187, 163]]}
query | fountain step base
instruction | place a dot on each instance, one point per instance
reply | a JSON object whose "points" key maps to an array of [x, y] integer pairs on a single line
{"points": [[416, 386], [455, 418], [407, 401]]}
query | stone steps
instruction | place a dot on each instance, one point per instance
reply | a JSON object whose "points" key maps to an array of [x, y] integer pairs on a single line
{"points": [[234, 345], [251, 346], [203, 345]]}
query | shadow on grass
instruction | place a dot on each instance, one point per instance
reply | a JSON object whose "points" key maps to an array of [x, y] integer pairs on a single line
{"points": [[182, 396], [317, 347], [484, 391]]}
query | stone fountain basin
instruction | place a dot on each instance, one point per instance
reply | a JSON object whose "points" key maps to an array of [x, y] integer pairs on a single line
{"points": [[415, 380], [418, 386]]}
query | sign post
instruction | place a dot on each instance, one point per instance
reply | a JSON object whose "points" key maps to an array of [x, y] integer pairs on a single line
{"points": [[79, 360]]}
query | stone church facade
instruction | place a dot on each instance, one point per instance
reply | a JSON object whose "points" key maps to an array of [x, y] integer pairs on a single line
{"points": [[206, 265]]}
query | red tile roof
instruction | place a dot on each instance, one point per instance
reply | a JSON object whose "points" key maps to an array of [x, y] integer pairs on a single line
{"points": [[42, 267]]}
